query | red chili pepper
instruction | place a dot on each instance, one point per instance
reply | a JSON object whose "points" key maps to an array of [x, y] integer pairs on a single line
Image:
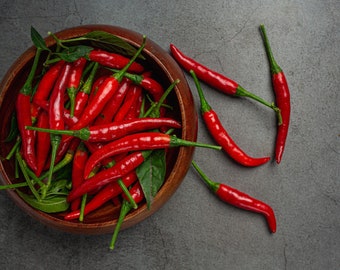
{"points": [[221, 136], [137, 194], [43, 142], [282, 95], [24, 118], [95, 87], [132, 96], [217, 80], [114, 130], [112, 174], [138, 142], [105, 92], [113, 60], [110, 191], [239, 199], [56, 113], [135, 109], [46, 84], [154, 88], [74, 80], [78, 166], [113, 105]]}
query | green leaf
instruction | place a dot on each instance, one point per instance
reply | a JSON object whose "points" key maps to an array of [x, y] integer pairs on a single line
{"points": [[38, 40], [110, 42], [51, 205], [151, 174], [73, 53]]}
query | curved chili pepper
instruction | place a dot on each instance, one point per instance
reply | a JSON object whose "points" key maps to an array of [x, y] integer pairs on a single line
{"points": [[112, 174], [24, 118], [239, 199], [135, 110], [132, 96], [221, 136], [137, 194], [56, 113], [137, 142], [217, 80], [154, 88], [113, 105], [95, 87], [105, 92], [74, 80], [282, 94], [45, 86], [113, 60], [110, 191], [79, 161], [114, 130], [43, 142]]}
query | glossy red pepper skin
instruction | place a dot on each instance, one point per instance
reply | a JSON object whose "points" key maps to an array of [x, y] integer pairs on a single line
{"points": [[104, 177], [239, 199], [132, 96], [212, 78], [78, 165], [113, 105], [136, 142], [107, 193], [282, 98], [46, 85], [43, 142], [113, 60], [23, 114], [220, 134]]}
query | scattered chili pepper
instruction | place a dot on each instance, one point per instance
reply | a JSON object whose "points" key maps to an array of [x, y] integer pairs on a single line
{"points": [[221, 136], [114, 130], [217, 80], [113, 105], [113, 60], [78, 165], [105, 92], [43, 142], [74, 80], [282, 94], [139, 141], [110, 191], [137, 194], [239, 199]]}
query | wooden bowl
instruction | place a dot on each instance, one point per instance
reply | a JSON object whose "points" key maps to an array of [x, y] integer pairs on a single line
{"points": [[178, 159]]}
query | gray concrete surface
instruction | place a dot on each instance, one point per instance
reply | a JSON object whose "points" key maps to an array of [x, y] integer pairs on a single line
{"points": [[194, 230]]}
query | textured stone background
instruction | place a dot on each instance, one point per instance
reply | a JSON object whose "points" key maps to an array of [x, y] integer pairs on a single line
{"points": [[194, 230]]}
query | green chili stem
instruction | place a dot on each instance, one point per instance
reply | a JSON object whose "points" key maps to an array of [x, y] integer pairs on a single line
{"points": [[14, 186], [120, 74], [82, 207], [211, 184], [174, 141], [205, 107], [124, 210], [82, 134], [14, 148], [27, 178]]}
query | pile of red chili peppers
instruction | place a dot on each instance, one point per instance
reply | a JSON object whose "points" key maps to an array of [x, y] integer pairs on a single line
{"points": [[89, 119]]}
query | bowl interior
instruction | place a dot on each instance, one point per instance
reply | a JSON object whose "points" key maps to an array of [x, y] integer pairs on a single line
{"points": [[166, 71]]}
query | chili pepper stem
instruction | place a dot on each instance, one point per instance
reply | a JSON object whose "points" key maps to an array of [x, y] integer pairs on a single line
{"points": [[55, 141], [211, 184], [174, 141], [14, 148], [274, 67], [22, 166], [82, 207], [125, 209], [82, 134], [127, 193]]}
